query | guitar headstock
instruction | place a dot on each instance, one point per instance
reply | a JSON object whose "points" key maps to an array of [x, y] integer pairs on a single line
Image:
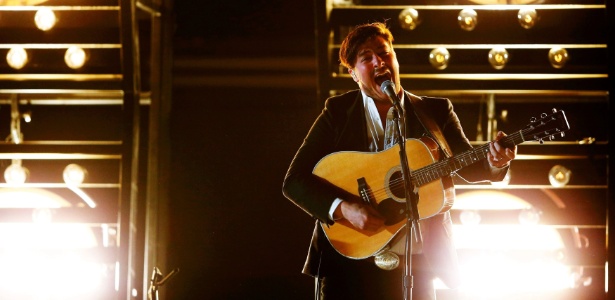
{"points": [[547, 126]]}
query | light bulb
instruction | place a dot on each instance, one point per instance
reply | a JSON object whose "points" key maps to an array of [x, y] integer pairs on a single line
{"points": [[558, 57], [527, 17], [42, 215], [75, 57], [45, 19], [468, 19], [529, 217], [469, 217], [16, 174], [17, 57], [409, 19], [559, 176], [439, 58], [498, 57], [74, 174]]}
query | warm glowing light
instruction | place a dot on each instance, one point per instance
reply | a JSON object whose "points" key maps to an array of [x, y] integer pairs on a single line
{"points": [[529, 217], [42, 215], [16, 174], [85, 197], [74, 174], [489, 199], [558, 57], [559, 176], [469, 217], [467, 19], [510, 237], [439, 58], [493, 274], [43, 259], [498, 57], [30, 198], [527, 17], [49, 236], [495, 257], [45, 19], [17, 57], [27, 116], [409, 19], [59, 276], [75, 57]]}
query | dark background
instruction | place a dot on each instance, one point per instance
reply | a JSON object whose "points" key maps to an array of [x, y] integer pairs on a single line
{"points": [[233, 234]]}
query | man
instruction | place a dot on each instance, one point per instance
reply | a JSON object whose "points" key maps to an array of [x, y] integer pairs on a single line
{"points": [[357, 121]]}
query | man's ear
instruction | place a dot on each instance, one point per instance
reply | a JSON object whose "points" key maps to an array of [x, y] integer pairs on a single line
{"points": [[354, 76]]}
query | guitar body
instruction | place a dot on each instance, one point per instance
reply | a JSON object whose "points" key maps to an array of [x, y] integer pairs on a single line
{"points": [[376, 178]]}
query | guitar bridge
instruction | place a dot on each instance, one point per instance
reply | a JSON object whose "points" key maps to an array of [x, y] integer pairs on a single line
{"points": [[364, 191]]}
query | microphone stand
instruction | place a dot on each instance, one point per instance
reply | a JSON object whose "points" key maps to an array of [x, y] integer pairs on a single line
{"points": [[412, 197]]}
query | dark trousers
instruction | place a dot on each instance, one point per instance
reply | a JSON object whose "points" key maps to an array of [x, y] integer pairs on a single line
{"points": [[362, 279]]}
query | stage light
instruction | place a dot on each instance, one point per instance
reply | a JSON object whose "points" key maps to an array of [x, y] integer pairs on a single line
{"points": [[469, 217], [527, 17], [409, 19], [75, 57], [74, 174], [42, 215], [559, 176], [439, 58], [495, 260], [17, 57], [468, 19], [16, 174], [45, 19], [498, 57], [558, 57], [27, 116], [529, 217]]}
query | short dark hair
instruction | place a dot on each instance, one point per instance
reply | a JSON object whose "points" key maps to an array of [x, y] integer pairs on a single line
{"points": [[358, 36]]}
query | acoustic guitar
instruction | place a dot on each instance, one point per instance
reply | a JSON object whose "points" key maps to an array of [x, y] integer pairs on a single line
{"points": [[376, 178]]}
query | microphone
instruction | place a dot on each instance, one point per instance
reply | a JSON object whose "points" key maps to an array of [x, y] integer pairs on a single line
{"points": [[388, 87]]}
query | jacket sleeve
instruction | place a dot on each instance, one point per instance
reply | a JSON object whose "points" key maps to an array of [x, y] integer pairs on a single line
{"points": [[311, 193], [457, 140]]}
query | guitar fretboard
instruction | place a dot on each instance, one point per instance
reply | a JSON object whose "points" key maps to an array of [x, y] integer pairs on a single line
{"points": [[450, 165]]}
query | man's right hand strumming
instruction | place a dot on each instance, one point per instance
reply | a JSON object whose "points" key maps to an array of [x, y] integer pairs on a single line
{"points": [[361, 216]]}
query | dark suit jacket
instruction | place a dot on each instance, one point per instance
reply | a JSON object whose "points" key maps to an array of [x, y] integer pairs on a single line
{"points": [[341, 126]]}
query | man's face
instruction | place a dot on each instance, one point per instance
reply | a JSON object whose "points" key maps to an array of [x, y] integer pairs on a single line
{"points": [[376, 62]]}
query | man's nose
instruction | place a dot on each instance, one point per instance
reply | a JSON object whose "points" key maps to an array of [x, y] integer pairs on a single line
{"points": [[378, 62]]}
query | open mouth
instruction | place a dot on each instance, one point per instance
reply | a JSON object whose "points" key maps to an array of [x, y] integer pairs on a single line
{"points": [[380, 78]]}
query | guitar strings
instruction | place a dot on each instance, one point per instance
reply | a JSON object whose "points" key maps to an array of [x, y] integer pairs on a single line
{"points": [[425, 174]]}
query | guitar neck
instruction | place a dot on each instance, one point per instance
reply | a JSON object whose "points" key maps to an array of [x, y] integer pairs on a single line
{"points": [[450, 165]]}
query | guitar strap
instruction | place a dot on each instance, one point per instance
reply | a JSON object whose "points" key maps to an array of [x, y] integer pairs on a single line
{"points": [[429, 124]]}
